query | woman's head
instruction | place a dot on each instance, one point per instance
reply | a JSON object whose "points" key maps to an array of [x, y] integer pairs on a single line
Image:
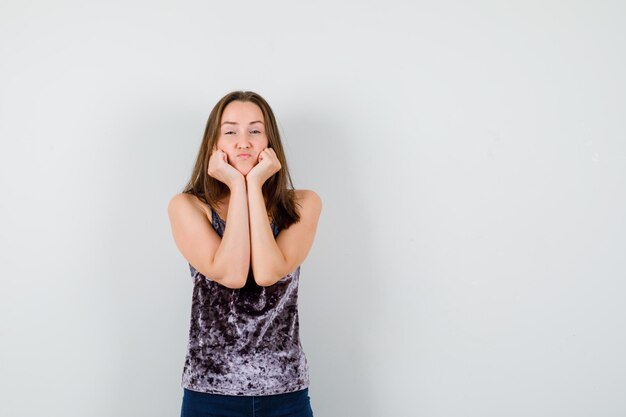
{"points": [[241, 122], [242, 134]]}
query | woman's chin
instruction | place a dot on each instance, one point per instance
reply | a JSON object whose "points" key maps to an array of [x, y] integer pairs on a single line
{"points": [[244, 170], [244, 166]]}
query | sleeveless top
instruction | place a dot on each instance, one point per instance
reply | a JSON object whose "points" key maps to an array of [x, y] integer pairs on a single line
{"points": [[244, 341]]}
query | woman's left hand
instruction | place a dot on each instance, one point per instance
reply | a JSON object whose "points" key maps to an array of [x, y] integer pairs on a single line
{"points": [[267, 166]]}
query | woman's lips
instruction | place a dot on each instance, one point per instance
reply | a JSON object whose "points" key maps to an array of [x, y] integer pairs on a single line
{"points": [[244, 155]]}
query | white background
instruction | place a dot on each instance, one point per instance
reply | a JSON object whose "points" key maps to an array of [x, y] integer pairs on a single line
{"points": [[471, 161]]}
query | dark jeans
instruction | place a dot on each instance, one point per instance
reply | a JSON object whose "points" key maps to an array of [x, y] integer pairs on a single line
{"points": [[201, 404]]}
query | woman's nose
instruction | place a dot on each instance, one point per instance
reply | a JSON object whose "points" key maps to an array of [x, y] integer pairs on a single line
{"points": [[244, 141]]}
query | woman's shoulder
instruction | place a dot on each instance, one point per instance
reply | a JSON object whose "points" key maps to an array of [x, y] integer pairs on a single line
{"points": [[309, 198], [306, 193], [189, 201]]}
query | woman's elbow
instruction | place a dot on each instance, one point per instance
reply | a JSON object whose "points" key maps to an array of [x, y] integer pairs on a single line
{"points": [[233, 281], [234, 277], [266, 280], [229, 279]]}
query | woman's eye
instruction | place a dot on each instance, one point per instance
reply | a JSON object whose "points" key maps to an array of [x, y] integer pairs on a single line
{"points": [[257, 131], [228, 133]]}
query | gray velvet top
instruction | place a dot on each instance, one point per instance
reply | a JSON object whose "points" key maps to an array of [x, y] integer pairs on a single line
{"points": [[244, 341]]}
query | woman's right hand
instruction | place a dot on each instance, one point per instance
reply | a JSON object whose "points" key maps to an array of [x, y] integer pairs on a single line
{"points": [[221, 170]]}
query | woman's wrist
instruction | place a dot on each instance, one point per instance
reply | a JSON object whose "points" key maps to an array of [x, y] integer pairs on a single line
{"points": [[237, 183], [252, 182]]}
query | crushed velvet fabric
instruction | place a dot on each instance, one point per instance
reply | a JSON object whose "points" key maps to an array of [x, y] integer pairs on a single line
{"points": [[244, 341]]}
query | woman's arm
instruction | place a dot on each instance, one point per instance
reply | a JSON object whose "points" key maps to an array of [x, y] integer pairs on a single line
{"points": [[273, 258], [233, 254], [225, 260]]}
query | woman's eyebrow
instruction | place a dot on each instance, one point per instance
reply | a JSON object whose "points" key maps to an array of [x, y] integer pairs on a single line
{"points": [[235, 123]]}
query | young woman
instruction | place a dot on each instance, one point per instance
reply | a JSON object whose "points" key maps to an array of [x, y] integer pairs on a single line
{"points": [[244, 232]]}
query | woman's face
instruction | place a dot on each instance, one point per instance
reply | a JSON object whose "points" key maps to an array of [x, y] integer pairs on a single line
{"points": [[242, 134]]}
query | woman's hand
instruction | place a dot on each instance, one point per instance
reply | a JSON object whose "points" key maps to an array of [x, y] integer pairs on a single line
{"points": [[221, 170], [268, 165]]}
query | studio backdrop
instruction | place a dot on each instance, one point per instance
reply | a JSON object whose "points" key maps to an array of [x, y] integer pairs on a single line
{"points": [[471, 161]]}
